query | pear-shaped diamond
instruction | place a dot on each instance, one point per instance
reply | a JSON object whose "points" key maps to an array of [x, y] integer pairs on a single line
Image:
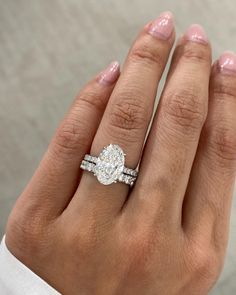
{"points": [[110, 164]]}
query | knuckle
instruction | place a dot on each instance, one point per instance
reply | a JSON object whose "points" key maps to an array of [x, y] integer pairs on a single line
{"points": [[91, 235], [139, 249], [196, 54], [27, 235], [72, 134], [223, 142], [90, 99], [128, 116], [143, 52], [83, 243], [222, 91], [69, 137], [185, 109], [205, 265]]}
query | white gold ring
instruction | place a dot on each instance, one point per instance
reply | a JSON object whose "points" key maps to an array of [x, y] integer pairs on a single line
{"points": [[109, 166]]}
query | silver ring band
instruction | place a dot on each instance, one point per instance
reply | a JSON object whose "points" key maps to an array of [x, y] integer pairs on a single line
{"points": [[109, 166], [127, 179], [126, 170]]}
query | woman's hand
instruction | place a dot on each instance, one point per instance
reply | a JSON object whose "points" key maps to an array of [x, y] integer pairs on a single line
{"points": [[167, 235]]}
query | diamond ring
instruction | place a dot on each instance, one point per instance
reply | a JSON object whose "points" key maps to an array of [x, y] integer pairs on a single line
{"points": [[109, 166]]}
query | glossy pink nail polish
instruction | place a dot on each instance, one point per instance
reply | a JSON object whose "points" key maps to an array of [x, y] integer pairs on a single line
{"points": [[163, 27], [196, 33], [110, 74], [227, 62]]}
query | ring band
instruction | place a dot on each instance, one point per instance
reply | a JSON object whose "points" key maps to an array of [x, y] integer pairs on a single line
{"points": [[109, 166]]}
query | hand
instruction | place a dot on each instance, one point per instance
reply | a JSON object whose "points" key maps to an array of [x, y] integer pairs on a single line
{"points": [[167, 235]]}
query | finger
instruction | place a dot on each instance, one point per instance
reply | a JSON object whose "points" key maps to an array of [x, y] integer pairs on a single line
{"points": [[130, 108], [57, 177], [208, 199], [172, 143]]}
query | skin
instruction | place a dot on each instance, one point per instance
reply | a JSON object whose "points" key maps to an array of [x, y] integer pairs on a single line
{"points": [[168, 235]]}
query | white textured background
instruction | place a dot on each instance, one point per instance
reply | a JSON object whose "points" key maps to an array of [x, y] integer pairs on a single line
{"points": [[49, 49]]}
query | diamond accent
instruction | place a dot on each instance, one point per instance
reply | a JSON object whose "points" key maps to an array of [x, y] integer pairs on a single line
{"points": [[110, 164], [90, 158], [130, 171], [127, 179], [87, 166]]}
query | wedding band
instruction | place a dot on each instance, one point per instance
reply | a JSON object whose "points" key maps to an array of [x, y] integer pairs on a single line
{"points": [[109, 166]]}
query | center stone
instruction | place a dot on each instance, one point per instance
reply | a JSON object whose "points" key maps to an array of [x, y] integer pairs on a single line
{"points": [[110, 164]]}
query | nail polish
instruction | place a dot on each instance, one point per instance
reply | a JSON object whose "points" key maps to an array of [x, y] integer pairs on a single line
{"points": [[110, 74], [163, 27], [227, 62], [196, 33]]}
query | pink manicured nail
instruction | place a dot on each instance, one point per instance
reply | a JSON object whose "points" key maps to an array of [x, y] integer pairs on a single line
{"points": [[110, 74], [196, 33], [163, 27], [227, 62]]}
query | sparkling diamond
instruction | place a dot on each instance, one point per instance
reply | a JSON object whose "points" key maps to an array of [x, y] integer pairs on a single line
{"points": [[110, 164]]}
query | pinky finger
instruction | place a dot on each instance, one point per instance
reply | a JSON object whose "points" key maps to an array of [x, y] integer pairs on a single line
{"points": [[57, 177], [208, 200]]}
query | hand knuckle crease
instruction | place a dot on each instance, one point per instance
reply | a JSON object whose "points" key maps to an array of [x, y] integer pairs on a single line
{"points": [[69, 136], [90, 100], [196, 54], [223, 92], [146, 54], [223, 143], [127, 116], [185, 108]]}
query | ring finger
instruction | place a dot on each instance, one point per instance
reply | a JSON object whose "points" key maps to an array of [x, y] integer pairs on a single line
{"points": [[129, 110]]}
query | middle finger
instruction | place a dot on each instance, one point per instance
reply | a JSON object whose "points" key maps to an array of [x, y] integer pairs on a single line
{"points": [[130, 108], [173, 140]]}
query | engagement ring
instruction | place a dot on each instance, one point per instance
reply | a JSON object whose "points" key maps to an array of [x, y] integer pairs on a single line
{"points": [[109, 166]]}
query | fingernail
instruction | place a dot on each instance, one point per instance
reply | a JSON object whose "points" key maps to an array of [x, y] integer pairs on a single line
{"points": [[163, 27], [227, 62], [196, 33], [110, 74]]}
